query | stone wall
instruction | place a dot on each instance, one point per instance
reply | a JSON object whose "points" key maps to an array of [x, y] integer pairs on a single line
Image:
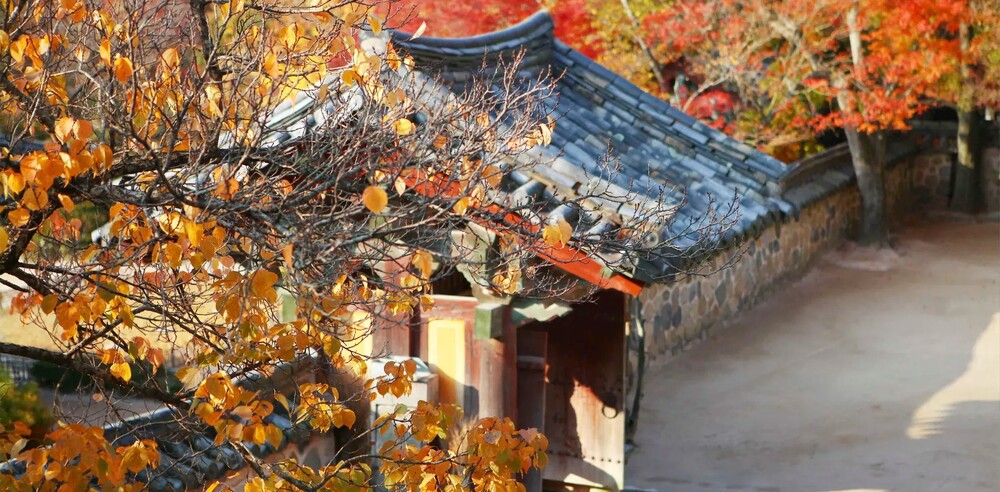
{"points": [[931, 179], [679, 313], [990, 179]]}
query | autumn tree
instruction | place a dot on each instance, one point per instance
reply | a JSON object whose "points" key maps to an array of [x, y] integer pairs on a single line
{"points": [[863, 67], [270, 184], [971, 85]]}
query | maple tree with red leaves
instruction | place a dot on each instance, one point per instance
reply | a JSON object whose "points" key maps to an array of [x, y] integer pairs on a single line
{"points": [[574, 24], [861, 67]]}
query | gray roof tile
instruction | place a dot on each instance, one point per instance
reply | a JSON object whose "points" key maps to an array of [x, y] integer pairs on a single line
{"points": [[660, 148]]}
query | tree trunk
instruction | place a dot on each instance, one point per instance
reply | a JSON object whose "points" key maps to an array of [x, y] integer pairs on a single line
{"points": [[963, 190], [963, 194], [868, 159], [867, 150]]}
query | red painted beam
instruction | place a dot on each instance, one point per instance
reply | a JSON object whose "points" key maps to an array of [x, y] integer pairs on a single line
{"points": [[568, 259]]}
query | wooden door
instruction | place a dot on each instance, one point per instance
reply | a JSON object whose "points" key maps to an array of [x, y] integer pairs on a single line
{"points": [[584, 400]]}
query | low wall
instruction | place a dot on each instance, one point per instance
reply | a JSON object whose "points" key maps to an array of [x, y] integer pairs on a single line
{"points": [[990, 178], [679, 313]]}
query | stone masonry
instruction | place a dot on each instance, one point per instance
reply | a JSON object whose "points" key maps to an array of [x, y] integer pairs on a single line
{"points": [[679, 313]]}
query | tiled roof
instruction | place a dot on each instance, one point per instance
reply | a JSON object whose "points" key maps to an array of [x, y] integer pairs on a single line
{"points": [[660, 149], [189, 459]]}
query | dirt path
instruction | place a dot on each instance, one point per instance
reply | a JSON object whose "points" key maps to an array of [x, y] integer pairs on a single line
{"points": [[847, 381]]}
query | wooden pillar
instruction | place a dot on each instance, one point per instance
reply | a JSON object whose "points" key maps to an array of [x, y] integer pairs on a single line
{"points": [[391, 332], [531, 348], [496, 337]]}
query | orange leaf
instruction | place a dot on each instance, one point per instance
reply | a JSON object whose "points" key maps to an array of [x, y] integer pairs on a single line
{"points": [[19, 217], [34, 199], [375, 199], [262, 284], [105, 51], [64, 128], [4, 239], [66, 202], [83, 129], [123, 69], [286, 253]]}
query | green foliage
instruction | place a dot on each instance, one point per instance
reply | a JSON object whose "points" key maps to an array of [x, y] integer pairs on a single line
{"points": [[52, 376], [20, 403], [68, 380]]}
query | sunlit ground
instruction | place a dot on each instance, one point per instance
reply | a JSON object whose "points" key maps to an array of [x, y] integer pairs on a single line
{"points": [[850, 380]]}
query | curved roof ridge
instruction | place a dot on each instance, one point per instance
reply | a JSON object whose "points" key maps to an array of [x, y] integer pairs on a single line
{"points": [[537, 25]]}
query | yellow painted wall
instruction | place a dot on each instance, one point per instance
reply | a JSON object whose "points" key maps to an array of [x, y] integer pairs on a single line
{"points": [[446, 356]]}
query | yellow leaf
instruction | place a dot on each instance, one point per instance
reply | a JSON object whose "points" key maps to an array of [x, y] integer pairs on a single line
{"points": [[493, 175], [17, 48], [259, 434], [375, 199], [283, 400], [392, 59], [4, 239], [461, 206], [103, 157], [271, 66], [546, 134], [375, 23], [121, 370], [170, 58], [274, 436], [290, 36], [213, 387], [123, 69], [49, 303], [402, 126], [214, 100], [400, 185], [558, 234], [64, 128], [351, 77], [66, 202], [483, 120], [190, 377], [13, 182], [34, 199], [244, 412], [19, 217], [133, 458], [424, 262], [105, 51]]}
